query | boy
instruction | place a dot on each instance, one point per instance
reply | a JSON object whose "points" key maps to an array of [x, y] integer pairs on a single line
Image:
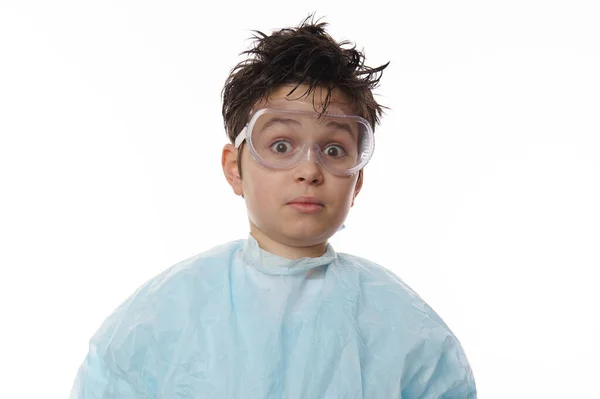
{"points": [[281, 314]]}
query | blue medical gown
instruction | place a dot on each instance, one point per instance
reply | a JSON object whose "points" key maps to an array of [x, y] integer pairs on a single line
{"points": [[240, 322]]}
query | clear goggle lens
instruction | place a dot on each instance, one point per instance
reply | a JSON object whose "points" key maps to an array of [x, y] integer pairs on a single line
{"points": [[281, 139]]}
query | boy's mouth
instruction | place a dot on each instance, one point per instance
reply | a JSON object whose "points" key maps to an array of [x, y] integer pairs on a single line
{"points": [[306, 200], [307, 204]]}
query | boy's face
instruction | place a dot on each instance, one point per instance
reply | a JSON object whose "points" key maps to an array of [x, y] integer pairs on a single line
{"points": [[272, 195]]}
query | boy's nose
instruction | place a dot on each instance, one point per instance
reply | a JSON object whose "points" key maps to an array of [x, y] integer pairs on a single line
{"points": [[309, 169]]}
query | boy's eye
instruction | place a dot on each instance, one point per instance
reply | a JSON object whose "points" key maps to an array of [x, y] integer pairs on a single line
{"points": [[334, 150], [281, 147]]}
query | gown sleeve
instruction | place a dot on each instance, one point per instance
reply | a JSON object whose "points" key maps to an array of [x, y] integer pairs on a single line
{"points": [[106, 372], [438, 370], [95, 380]]}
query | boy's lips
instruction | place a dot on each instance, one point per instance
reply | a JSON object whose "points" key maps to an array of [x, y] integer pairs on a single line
{"points": [[307, 204], [306, 200]]}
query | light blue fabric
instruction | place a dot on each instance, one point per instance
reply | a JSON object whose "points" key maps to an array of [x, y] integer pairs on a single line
{"points": [[239, 322]]}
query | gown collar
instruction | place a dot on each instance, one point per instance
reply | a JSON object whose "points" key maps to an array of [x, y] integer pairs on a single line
{"points": [[268, 263]]}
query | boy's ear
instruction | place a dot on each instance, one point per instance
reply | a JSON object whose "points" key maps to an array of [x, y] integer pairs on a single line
{"points": [[358, 186], [230, 168]]}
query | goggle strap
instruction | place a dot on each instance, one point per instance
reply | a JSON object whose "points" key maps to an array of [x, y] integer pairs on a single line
{"points": [[240, 137]]}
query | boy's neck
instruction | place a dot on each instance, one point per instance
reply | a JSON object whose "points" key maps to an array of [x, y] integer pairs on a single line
{"points": [[286, 251]]}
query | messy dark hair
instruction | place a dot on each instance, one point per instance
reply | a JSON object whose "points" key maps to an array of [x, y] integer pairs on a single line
{"points": [[302, 55]]}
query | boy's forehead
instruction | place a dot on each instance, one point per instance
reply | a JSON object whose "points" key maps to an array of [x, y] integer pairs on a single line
{"points": [[300, 100]]}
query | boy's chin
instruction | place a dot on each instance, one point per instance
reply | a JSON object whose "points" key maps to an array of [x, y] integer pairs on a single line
{"points": [[306, 237]]}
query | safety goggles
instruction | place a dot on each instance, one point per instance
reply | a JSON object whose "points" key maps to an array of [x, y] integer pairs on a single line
{"points": [[282, 139]]}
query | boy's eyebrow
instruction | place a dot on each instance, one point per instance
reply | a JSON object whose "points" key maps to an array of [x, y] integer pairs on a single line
{"points": [[285, 121], [344, 126], [291, 121]]}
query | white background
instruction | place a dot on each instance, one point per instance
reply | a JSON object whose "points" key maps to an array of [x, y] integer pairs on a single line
{"points": [[483, 193]]}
